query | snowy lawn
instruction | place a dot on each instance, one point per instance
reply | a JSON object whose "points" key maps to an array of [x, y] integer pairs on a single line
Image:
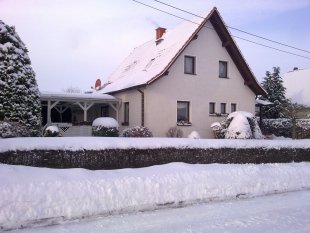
{"points": [[41, 196], [100, 143]]}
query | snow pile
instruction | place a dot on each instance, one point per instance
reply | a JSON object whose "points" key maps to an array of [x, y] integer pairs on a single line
{"points": [[41, 196], [97, 143], [107, 122], [194, 135]]}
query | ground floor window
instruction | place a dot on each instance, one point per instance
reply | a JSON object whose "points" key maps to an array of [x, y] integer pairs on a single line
{"points": [[211, 108], [126, 113], [223, 108], [233, 107], [183, 111]]}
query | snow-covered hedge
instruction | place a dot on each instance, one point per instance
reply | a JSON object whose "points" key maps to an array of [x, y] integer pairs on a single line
{"points": [[105, 127], [137, 131], [238, 125], [112, 153], [12, 130], [283, 127]]}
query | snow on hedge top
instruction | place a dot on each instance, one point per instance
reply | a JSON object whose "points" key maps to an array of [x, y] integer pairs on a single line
{"points": [[297, 85], [107, 122], [98, 143], [150, 59]]}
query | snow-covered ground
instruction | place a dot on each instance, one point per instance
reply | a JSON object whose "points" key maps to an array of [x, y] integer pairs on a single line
{"points": [[99, 143], [288, 212], [41, 196]]}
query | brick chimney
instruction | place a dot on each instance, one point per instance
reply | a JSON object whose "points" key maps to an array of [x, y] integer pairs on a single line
{"points": [[160, 32], [98, 84]]}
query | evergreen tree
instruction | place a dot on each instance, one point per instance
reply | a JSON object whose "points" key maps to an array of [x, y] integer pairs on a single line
{"points": [[19, 93], [273, 84]]}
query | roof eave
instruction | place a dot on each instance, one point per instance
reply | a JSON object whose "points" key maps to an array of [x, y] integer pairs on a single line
{"points": [[126, 89]]}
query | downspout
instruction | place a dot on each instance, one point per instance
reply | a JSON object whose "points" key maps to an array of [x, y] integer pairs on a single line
{"points": [[142, 106]]}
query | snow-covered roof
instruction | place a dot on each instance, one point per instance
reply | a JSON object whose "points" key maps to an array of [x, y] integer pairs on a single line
{"points": [[263, 102], [63, 96], [151, 60], [297, 85]]}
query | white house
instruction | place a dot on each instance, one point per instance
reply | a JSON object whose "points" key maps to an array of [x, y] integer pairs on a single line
{"points": [[297, 84], [188, 77]]}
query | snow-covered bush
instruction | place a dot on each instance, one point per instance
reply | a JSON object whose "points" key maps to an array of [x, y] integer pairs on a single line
{"points": [[239, 125], [105, 127], [175, 132], [7, 130], [283, 127], [194, 135], [51, 131], [137, 131], [19, 93], [13, 129]]}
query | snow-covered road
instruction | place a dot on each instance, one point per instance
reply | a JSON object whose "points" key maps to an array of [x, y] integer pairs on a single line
{"points": [[287, 212]]}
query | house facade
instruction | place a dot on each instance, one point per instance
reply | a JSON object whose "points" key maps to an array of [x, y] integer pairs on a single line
{"points": [[189, 77]]}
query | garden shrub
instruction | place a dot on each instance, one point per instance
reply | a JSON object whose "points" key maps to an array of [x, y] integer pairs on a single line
{"points": [[51, 131], [105, 127], [175, 132], [137, 131], [13, 129], [238, 125], [283, 127]]}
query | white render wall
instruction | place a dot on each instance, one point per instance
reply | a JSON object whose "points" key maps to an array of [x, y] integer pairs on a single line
{"points": [[200, 89], [134, 99]]}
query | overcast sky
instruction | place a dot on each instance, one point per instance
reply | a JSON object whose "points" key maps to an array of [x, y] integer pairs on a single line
{"points": [[74, 42]]}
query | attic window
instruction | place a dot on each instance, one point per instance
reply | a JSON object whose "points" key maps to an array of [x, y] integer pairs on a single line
{"points": [[189, 65], [148, 65], [223, 69]]}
